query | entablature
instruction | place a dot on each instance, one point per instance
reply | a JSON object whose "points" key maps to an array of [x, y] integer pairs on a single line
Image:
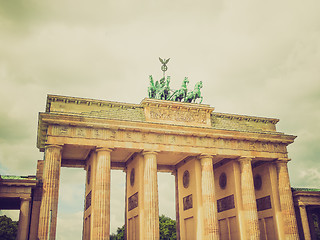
{"points": [[125, 134]]}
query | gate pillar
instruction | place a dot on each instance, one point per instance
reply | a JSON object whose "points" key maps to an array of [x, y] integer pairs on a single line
{"points": [[23, 226], [249, 204], [210, 215], [50, 194], [101, 196], [286, 201], [151, 207], [304, 221]]}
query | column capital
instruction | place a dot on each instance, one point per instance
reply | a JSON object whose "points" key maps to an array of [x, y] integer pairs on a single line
{"points": [[147, 152], [245, 159], [98, 149], [301, 204], [26, 199], [202, 156], [53, 146], [206, 160]]}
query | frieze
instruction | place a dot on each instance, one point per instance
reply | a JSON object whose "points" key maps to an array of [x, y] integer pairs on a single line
{"points": [[61, 130], [111, 134], [178, 116], [172, 139], [167, 139], [80, 132], [97, 134], [159, 138]]}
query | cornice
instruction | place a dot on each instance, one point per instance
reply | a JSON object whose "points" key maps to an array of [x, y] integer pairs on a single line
{"points": [[176, 105], [19, 182], [86, 101], [245, 118]]}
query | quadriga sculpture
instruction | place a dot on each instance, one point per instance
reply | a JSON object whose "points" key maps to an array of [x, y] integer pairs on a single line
{"points": [[181, 93], [195, 94], [161, 90]]}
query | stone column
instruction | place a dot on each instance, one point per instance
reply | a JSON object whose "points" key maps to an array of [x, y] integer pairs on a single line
{"points": [[24, 217], [175, 173], [304, 221], [151, 207], [249, 204], [101, 196], [286, 201], [50, 192], [210, 214]]}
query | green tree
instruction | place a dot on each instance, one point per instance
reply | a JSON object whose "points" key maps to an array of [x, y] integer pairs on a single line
{"points": [[119, 235], [8, 228], [167, 228]]}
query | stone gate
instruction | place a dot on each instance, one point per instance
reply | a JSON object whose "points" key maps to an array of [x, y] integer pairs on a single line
{"points": [[231, 171]]}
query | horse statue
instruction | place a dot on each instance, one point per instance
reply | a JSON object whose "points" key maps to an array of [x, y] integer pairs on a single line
{"points": [[196, 93], [181, 93], [164, 89], [152, 90]]}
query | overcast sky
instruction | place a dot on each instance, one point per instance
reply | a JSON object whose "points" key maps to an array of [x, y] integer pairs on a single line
{"points": [[257, 58]]}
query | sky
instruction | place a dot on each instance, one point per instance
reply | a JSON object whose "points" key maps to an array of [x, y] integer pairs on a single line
{"points": [[258, 58]]}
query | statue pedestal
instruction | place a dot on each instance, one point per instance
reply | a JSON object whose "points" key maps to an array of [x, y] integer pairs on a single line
{"points": [[187, 114]]}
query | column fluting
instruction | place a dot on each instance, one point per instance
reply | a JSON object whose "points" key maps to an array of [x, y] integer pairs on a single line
{"points": [[286, 201], [151, 207], [24, 217], [304, 221], [50, 192], [249, 203], [210, 214], [101, 199]]}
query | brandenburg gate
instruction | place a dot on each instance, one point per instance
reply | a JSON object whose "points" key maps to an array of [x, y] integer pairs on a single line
{"points": [[231, 176]]}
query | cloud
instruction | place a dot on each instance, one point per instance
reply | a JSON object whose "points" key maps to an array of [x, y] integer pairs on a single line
{"points": [[68, 226], [117, 204], [254, 58], [12, 130], [72, 189], [13, 214], [311, 177], [167, 203], [19, 158]]}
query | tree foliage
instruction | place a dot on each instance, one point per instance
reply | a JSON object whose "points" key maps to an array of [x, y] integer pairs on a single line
{"points": [[167, 228], [119, 235], [8, 228]]}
